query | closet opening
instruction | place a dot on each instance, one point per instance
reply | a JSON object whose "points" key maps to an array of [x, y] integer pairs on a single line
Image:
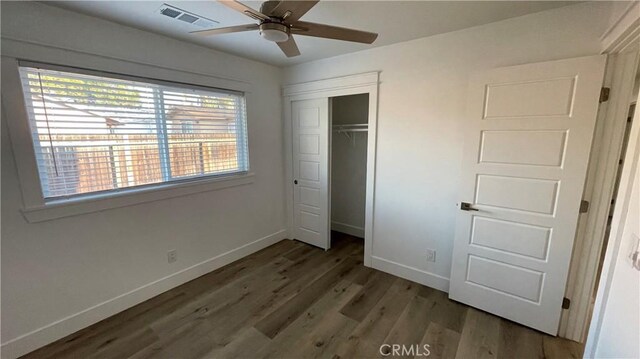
{"points": [[349, 120]]}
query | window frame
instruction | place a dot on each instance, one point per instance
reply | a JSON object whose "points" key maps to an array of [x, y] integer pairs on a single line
{"points": [[35, 207], [163, 143]]}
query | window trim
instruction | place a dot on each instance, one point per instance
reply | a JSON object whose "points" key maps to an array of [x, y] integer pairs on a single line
{"points": [[119, 76], [90, 203], [35, 208]]}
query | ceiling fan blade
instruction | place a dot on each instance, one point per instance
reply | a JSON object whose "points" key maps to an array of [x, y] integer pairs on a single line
{"points": [[240, 7], [289, 47], [226, 30], [332, 32], [295, 9]]}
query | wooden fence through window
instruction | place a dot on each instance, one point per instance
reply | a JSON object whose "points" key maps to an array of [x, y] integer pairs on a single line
{"points": [[88, 163]]}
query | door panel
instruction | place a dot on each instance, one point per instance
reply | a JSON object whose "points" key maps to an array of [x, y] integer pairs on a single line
{"points": [[310, 120], [505, 278], [531, 148], [309, 171], [527, 144], [516, 193], [511, 237], [539, 98]]}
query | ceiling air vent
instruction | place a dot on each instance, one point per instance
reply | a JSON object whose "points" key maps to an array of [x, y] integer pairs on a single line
{"points": [[188, 18], [170, 12], [185, 16]]}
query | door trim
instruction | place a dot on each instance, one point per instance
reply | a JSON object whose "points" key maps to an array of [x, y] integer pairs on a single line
{"points": [[601, 177], [629, 171], [333, 87], [624, 32]]}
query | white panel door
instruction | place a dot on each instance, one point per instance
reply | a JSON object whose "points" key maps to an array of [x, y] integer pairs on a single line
{"points": [[310, 121], [527, 142]]}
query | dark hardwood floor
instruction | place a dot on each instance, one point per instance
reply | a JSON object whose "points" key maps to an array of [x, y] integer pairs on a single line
{"points": [[292, 300]]}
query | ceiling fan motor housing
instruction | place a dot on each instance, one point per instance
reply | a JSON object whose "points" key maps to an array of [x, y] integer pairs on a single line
{"points": [[268, 6], [274, 31]]}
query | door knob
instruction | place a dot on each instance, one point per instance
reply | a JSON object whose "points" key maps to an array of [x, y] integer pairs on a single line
{"points": [[295, 181], [465, 206]]}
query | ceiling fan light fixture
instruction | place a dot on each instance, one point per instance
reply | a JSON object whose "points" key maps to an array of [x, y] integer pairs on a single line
{"points": [[274, 32], [279, 20]]}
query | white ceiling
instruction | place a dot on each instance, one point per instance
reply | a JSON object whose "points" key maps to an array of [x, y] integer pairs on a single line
{"points": [[395, 21]]}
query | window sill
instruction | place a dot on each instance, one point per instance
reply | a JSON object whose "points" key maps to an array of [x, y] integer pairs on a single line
{"points": [[90, 204]]}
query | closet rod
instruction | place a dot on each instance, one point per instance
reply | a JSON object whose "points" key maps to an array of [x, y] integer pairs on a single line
{"points": [[355, 127], [351, 130]]}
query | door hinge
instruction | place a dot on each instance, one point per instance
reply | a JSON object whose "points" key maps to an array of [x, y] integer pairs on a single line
{"points": [[566, 303], [604, 94], [584, 206]]}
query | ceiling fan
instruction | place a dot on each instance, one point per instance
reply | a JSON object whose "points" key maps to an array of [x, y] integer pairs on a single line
{"points": [[279, 20]]}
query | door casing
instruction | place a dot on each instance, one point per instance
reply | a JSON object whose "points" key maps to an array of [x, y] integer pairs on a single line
{"points": [[601, 181]]}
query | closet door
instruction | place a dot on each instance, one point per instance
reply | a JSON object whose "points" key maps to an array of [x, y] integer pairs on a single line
{"points": [[310, 124]]}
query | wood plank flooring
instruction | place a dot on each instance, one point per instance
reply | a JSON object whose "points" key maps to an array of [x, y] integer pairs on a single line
{"points": [[292, 300]]}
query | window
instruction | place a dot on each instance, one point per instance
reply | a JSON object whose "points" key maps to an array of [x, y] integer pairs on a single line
{"points": [[95, 133]]}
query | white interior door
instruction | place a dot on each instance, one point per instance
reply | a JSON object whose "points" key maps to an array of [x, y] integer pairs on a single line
{"points": [[310, 124], [527, 145]]}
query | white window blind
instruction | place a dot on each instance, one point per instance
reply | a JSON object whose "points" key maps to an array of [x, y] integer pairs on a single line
{"points": [[98, 133]]}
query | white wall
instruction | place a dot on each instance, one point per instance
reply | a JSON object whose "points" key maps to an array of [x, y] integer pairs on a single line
{"points": [[615, 328], [349, 165], [620, 330], [618, 9], [52, 271], [421, 108]]}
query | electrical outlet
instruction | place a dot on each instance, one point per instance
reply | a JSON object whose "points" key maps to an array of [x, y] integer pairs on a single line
{"points": [[431, 255], [172, 256]]}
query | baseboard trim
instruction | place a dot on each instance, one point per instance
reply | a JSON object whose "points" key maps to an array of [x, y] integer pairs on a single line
{"points": [[59, 329], [348, 229], [413, 274]]}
